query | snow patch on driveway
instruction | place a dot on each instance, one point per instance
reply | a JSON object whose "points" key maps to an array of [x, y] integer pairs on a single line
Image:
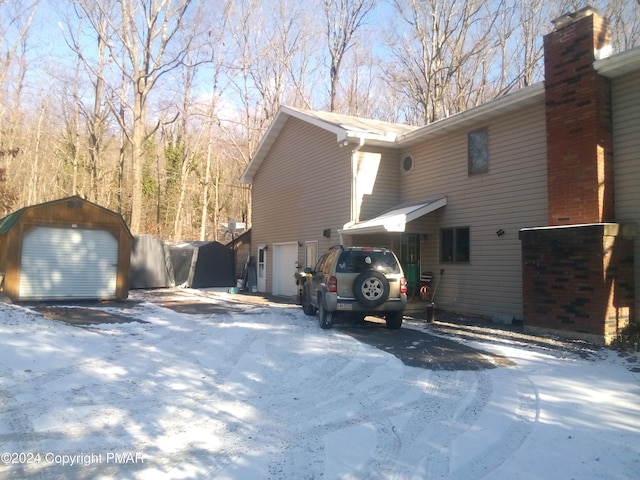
{"points": [[263, 392]]}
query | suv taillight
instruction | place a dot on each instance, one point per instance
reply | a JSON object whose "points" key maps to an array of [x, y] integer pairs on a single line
{"points": [[403, 285], [332, 284]]}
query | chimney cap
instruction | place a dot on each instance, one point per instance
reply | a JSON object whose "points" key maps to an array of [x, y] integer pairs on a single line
{"points": [[569, 18]]}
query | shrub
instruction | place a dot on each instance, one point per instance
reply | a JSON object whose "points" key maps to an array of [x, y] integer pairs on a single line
{"points": [[628, 338]]}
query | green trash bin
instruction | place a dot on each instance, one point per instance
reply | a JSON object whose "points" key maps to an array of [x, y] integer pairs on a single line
{"points": [[412, 274]]}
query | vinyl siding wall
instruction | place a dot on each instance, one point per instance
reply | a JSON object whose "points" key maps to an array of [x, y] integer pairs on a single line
{"points": [[385, 193], [302, 188], [511, 196], [626, 145]]}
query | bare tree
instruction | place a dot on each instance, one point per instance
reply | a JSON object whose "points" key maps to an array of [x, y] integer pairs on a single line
{"points": [[8, 194], [141, 34], [446, 55], [625, 18], [344, 18], [95, 113], [16, 17]]}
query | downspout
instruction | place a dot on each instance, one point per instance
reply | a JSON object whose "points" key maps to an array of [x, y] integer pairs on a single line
{"points": [[354, 182]]}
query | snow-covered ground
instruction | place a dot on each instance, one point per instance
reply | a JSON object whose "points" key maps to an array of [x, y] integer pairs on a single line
{"points": [[262, 392]]}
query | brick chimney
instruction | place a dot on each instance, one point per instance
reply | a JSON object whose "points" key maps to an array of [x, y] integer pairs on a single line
{"points": [[578, 118], [578, 271]]}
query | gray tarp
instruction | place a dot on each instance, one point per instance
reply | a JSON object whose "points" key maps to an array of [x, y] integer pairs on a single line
{"points": [[202, 264], [151, 265]]}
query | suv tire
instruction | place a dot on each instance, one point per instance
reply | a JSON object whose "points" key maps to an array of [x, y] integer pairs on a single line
{"points": [[307, 306], [371, 288], [325, 317]]}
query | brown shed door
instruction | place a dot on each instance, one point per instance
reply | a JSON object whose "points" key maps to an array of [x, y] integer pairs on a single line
{"points": [[60, 263]]}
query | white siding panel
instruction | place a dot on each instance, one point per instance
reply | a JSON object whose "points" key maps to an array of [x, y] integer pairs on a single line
{"points": [[68, 263], [626, 148], [384, 193]]}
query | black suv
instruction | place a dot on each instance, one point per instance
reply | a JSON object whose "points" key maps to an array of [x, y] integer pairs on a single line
{"points": [[356, 282]]}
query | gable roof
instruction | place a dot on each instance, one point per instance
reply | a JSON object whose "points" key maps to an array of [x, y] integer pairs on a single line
{"points": [[346, 128], [8, 222], [374, 132]]}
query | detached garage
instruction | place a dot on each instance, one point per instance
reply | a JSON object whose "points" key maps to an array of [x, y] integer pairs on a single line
{"points": [[65, 249]]}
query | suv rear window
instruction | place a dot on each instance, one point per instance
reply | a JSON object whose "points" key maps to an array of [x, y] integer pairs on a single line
{"points": [[357, 261]]}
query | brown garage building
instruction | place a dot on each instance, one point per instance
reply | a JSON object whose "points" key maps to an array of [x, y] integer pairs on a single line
{"points": [[64, 249]]}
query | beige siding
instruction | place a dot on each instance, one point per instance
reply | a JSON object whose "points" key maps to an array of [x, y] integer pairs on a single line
{"points": [[513, 195], [384, 192], [626, 147], [308, 176]]}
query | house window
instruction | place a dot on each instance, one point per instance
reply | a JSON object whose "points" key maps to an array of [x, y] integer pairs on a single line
{"points": [[406, 165], [478, 151], [261, 261], [310, 254], [454, 245]]}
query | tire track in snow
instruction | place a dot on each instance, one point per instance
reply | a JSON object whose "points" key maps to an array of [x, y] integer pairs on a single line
{"points": [[509, 434], [306, 387], [20, 436], [309, 419], [449, 407]]}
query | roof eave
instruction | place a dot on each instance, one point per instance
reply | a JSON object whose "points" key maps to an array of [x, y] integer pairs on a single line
{"points": [[476, 116], [619, 64]]}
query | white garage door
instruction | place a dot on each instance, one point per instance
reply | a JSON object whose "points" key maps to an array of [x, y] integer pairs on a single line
{"points": [[62, 263], [285, 257]]}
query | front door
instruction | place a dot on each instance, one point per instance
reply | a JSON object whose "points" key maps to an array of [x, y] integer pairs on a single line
{"points": [[410, 259]]}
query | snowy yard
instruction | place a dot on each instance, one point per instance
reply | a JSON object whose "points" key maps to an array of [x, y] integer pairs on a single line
{"points": [[260, 391]]}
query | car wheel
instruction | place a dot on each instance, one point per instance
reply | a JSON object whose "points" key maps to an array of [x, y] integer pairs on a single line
{"points": [[371, 288], [307, 307], [325, 317], [394, 320]]}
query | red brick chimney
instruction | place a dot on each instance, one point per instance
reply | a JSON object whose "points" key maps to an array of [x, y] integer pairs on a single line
{"points": [[578, 117]]}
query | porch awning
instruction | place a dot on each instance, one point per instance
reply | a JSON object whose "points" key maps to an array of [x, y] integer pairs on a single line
{"points": [[395, 219]]}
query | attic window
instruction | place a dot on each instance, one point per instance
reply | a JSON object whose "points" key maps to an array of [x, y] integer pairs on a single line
{"points": [[74, 204], [407, 163]]}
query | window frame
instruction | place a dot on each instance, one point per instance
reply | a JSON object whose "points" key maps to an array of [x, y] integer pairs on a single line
{"points": [[310, 253], [478, 151], [402, 163], [455, 245]]}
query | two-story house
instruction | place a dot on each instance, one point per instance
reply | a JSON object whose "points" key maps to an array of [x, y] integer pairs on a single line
{"points": [[491, 201]]}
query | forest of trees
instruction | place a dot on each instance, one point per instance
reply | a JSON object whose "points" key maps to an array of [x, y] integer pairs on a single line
{"points": [[153, 108]]}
